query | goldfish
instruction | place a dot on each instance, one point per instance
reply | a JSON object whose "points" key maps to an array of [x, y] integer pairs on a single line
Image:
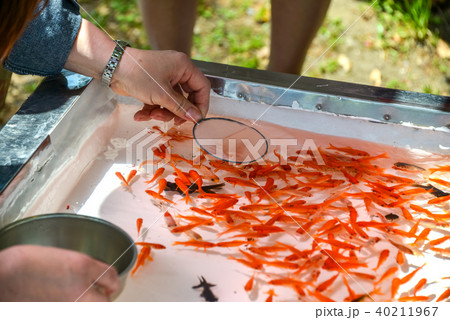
{"points": [[441, 182], [183, 188], [152, 245], [350, 151], [181, 176], [413, 298], [258, 207], [441, 251], [190, 226], [423, 235], [131, 175], [223, 205], [249, 285], [248, 195], [439, 200], [158, 196], [351, 294], [354, 224], [395, 285], [422, 282], [420, 209], [400, 258], [194, 243], [406, 213], [324, 285], [225, 166], [240, 182], [217, 196], [207, 173], [268, 229], [142, 256], [244, 226], [383, 256], [319, 296], [401, 247], [201, 211], [139, 225], [157, 174], [391, 271], [444, 295], [365, 276], [288, 281], [263, 251], [443, 168], [234, 243], [161, 185], [197, 179], [120, 176], [208, 222], [349, 177], [271, 294], [412, 232], [307, 226], [207, 294], [407, 167], [438, 241], [337, 244], [170, 221], [257, 265], [409, 276], [282, 264], [342, 266]]}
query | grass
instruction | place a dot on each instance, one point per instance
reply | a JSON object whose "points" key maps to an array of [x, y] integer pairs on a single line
{"points": [[329, 66], [428, 89], [332, 30], [396, 84], [411, 16]]}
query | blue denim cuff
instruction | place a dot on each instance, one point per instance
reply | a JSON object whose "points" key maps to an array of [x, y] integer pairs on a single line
{"points": [[44, 46]]}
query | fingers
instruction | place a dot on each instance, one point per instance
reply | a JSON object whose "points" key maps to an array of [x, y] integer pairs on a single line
{"points": [[199, 87], [149, 112], [94, 295], [145, 113], [106, 278], [181, 107]]}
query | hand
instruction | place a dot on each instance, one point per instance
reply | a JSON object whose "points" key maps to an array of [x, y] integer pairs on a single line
{"points": [[37, 273], [158, 78], [153, 77]]}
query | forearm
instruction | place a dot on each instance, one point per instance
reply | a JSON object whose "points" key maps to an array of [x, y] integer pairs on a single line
{"points": [[90, 52]]}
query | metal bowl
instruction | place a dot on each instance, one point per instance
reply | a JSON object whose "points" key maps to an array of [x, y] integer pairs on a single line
{"points": [[95, 237]]}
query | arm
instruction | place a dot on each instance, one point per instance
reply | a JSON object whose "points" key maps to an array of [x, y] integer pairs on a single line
{"points": [[152, 77]]}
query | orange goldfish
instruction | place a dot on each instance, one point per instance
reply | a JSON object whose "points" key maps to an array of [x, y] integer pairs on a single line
{"points": [[139, 225], [157, 174], [158, 196]]}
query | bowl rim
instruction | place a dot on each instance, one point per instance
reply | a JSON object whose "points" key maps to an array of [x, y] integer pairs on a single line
{"points": [[72, 216]]}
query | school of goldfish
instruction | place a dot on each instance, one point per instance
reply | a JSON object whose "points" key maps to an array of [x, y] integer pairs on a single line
{"points": [[347, 224]]}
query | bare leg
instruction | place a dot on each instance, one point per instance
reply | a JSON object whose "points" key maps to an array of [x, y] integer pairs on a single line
{"points": [[294, 26], [169, 23]]}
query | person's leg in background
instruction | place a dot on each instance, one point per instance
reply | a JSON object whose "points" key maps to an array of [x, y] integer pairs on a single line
{"points": [[294, 26], [169, 23]]}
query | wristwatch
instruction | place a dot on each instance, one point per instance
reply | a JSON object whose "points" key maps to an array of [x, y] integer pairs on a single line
{"points": [[114, 61]]}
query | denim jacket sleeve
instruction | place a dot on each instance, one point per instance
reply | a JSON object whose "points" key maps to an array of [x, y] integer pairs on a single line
{"points": [[44, 46]]}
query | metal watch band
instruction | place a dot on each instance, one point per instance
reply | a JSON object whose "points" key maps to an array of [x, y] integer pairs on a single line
{"points": [[114, 61]]}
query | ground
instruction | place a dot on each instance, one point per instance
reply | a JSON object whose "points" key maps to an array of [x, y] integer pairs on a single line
{"points": [[375, 48]]}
